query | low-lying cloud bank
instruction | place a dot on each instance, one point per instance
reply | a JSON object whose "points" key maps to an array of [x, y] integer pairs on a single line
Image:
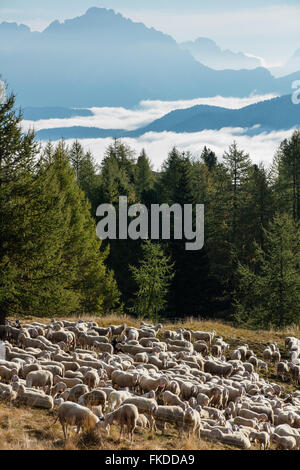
{"points": [[261, 148], [145, 113]]}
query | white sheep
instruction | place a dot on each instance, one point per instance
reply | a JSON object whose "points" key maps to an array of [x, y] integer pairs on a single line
{"points": [[72, 414], [126, 415]]}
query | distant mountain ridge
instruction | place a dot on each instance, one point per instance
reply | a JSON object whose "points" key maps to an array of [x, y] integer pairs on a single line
{"points": [[103, 59], [266, 116], [210, 54], [35, 114]]}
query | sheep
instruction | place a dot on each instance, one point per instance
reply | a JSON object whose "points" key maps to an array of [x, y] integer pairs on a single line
{"points": [[267, 354], [54, 369], [5, 391], [250, 423], [117, 330], [73, 375], [262, 365], [284, 442], [39, 378], [124, 379], [286, 430], [201, 347], [72, 414], [29, 368], [60, 387], [91, 379], [127, 415], [33, 398], [170, 398], [216, 350], [216, 397], [69, 382], [254, 361], [103, 331], [69, 365], [146, 406], [147, 383], [173, 387], [6, 374], [282, 370], [283, 418], [202, 399], [75, 392], [248, 414], [263, 409], [187, 389], [218, 369], [295, 373], [170, 414], [143, 421], [201, 335], [276, 357], [116, 399], [93, 398], [192, 421], [237, 439]]}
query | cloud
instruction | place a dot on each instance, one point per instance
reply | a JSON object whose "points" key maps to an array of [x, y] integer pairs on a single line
{"points": [[261, 147], [145, 113]]}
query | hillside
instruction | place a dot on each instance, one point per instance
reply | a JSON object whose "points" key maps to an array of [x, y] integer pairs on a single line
{"points": [[25, 428], [104, 59]]}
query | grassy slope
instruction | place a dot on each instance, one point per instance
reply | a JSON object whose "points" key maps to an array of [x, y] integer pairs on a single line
{"points": [[22, 428]]}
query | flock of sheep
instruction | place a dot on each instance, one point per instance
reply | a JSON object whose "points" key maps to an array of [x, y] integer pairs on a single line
{"points": [[94, 377]]}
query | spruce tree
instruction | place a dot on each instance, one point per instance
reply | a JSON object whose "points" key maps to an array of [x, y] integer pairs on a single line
{"points": [[76, 155], [269, 288], [237, 164], [143, 176], [18, 153], [209, 157], [152, 277], [287, 184], [86, 279], [89, 179]]}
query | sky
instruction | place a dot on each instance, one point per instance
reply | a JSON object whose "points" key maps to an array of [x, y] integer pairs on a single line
{"points": [[265, 28]]}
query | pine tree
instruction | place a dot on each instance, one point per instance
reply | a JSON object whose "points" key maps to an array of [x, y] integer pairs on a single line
{"points": [[143, 176], [237, 164], [209, 157], [18, 153], [50, 258], [258, 211], [269, 289], [287, 184], [89, 179], [86, 277], [76, 155], [170, 176], [152, 276]]}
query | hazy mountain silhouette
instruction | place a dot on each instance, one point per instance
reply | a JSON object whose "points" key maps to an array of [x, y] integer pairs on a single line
{"points": [[104, 59], [210, 54], [270, 115], [35, 114], [79, 132], [276, 114]]}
